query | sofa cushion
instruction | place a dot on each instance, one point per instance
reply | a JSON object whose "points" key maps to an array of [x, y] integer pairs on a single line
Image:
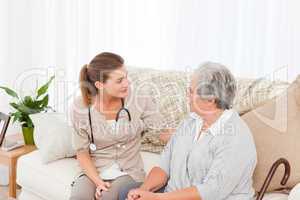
{"points": [[252, 93], [276, 130], [168, 91], [52, 136], [27, 194], [53, 180], [295, 193], [35, 176]]}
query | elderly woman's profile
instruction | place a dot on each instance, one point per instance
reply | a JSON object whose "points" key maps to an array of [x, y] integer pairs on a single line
{"points": [[212, 155]]}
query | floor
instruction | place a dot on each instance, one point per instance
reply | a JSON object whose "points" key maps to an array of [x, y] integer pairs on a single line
{"points": [[4, 193]]}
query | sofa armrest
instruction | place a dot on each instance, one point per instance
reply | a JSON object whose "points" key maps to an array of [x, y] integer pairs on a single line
{"points": [[295, 193]]}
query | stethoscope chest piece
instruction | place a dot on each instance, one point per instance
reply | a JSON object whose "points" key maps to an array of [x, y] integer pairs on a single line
{"points": [[93, 147]]}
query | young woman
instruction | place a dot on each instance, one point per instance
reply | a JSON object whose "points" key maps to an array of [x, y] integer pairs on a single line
{"points": [[108, 119]]}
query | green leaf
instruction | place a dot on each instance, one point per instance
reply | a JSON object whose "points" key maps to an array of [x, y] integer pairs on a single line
{"points": [[42, 90], [16, 116], [19, 107], [14, 105], [27, 100], [32, 104], [29, 105], [10, 92], [25, 109], [27, 122], [45, 101], [37, 104]]}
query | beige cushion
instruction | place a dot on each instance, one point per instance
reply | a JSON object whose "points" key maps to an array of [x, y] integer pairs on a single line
{"points": [[52, 136], [276, 130], [169, 89], [252, 93]]}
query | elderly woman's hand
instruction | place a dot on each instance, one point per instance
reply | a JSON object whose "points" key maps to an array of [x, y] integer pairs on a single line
{"points": [[139, 194], [133, 194]]}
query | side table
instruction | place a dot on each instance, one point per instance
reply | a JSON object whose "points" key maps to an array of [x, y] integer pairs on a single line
{"points": [[10, 158]]}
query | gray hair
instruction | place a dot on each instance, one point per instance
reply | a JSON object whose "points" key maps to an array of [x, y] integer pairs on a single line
{"points": [[215, 81]]}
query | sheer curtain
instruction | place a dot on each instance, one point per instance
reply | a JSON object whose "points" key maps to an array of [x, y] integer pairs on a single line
{"points": [[38, 38], [254, 38]]}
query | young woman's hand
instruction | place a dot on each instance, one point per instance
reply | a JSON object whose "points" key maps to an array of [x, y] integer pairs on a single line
{"points": [[101, 186]]}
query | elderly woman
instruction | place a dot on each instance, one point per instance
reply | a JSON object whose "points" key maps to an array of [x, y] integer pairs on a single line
{"points": [[212, 154]]}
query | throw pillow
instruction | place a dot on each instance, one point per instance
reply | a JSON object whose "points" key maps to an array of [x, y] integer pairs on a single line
{"points": [[52, 136], [276, 130], [168, 91]]}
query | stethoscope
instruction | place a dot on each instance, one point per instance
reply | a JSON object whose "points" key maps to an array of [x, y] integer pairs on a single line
{"points": [[92, 145]]}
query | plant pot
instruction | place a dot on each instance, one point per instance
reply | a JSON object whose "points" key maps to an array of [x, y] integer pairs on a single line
{"points": [[28, 135]]}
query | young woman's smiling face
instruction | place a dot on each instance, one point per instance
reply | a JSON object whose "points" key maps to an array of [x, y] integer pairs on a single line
{"points": [[117, 84]]}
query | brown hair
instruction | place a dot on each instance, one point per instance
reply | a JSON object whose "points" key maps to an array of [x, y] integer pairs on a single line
{"points": [[97, 70]]}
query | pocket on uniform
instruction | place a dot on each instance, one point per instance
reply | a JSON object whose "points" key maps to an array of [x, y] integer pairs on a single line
{"points": [[76, 178]]}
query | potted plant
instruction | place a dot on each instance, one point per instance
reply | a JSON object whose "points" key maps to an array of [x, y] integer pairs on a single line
{"points": [[24, 107]]}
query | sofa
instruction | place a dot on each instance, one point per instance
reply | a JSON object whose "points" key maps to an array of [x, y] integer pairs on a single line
{"points": [[44, 180]]}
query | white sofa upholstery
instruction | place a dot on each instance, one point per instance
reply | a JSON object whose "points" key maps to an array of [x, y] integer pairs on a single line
{"points": [[53, 181], [295, 193]]}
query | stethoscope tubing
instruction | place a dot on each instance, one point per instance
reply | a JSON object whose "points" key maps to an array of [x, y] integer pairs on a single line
{"points": [[92, 140]]}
